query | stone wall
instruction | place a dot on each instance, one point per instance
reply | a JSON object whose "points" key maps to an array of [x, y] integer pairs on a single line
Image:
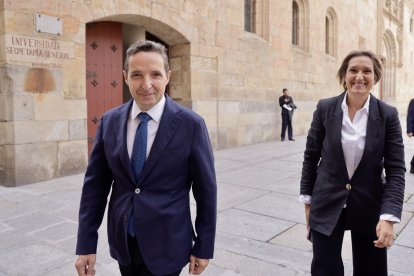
{"points": [[231, 77], [405, 87], [43, 91]]}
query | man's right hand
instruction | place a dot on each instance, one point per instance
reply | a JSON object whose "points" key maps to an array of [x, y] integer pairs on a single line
{"points": [[85, 265], [410, 134]]}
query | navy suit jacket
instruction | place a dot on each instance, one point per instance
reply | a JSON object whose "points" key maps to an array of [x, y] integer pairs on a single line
{"points": [[324, 173], [181, 158], [410, 117]]}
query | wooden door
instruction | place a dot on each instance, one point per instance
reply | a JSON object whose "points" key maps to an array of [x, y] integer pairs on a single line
{"points": [[104, 78]]}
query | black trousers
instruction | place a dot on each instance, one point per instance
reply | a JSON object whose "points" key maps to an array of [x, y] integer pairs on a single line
{"points": [[137, 267], [366, 258], [286, 123]]}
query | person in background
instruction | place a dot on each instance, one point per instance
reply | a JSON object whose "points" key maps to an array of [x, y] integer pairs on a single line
{"points": [[410, 128], [287, 105], [149, 152], [353, 137]]}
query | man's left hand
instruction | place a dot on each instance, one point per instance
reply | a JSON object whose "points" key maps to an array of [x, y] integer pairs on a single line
{"points": [[385, 234], [197, 265]]}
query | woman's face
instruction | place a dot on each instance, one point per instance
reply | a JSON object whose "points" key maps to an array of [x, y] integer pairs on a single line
{"points": [[360, 77]]}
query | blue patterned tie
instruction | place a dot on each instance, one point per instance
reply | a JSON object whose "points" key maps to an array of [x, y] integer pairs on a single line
{"points": [[138, 158]]}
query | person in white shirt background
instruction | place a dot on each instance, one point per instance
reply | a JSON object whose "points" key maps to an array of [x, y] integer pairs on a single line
{"points": [[352, 139]]}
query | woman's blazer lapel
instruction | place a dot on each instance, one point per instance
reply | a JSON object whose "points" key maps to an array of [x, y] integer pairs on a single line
{"points": [[333, 130], [373, 138]]}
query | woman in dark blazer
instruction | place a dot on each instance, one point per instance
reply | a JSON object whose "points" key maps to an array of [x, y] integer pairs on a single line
{"points": [[352, 139]]}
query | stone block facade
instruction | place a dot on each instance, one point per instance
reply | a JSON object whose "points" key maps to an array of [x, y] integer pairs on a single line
{"points": [[230, 76]]}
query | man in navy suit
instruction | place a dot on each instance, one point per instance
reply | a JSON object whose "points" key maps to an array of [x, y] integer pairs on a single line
{"points": [[149, 223], [410, 127]]}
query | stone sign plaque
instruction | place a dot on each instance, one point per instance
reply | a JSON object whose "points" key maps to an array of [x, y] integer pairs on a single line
{"points": [[48, 24]]}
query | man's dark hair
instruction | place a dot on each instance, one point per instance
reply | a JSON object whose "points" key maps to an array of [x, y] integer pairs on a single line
{"points": [[147, 46]]}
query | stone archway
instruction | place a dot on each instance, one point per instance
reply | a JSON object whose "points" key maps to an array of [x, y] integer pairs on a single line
{"points": [[179, 50], [104, 67], [390, 63]]}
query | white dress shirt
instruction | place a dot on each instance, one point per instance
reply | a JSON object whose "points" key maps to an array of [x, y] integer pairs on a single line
{"points": [[353, 134], [155, 112]]}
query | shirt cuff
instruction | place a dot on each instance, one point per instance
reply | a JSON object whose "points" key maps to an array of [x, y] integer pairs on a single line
{"points": [[307, 199], [390, 218]]}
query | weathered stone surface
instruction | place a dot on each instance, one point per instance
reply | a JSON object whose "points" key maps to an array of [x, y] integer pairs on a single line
{"points": [[3, 134], [251, 226], [20, 107], [204, 63], [406, 238], [294, 237], [252, 177], [32, 221], [55, 107], [41, 131], [275, 205], [400, 260], [12, 239], [7, 172], [24, 199], [34, 162], [205, 107], [58, 232], [45, 256], [77, 130], [286, 185], [204, 38], [240, 264], [74, 79], [269, 253], [72, 157], [239, 195], [247, 215]]}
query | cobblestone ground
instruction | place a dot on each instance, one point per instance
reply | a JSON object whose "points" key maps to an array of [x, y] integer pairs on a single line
{"points": [[260, 231]]}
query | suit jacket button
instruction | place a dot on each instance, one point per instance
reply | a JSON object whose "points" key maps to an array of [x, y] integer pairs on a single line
{"points": [[348, 186], [137, 190]]}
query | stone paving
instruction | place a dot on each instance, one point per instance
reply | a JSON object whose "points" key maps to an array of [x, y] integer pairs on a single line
{"points": [[260, 230]]}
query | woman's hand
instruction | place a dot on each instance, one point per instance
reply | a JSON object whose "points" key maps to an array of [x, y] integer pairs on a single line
{"points": [[308, 230], [385, 234]]}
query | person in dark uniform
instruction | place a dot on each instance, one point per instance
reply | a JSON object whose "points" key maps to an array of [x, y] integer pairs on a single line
{"points": [[287, 105]]}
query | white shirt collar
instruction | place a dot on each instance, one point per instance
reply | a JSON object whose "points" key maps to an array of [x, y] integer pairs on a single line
{"points": [[155, 112], [344, 105]]}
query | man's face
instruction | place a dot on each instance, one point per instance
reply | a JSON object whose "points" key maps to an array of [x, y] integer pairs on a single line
{"points": [[286, 93], [146, 78]]}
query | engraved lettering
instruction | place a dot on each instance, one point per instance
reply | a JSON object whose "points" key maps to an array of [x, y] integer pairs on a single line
{"points": [[21, 45]]}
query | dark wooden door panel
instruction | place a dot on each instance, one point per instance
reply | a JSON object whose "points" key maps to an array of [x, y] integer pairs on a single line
{"points": [[103, 72]]}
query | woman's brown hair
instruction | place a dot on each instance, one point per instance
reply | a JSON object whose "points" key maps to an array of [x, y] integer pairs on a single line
{"points": [[345, 63]]}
